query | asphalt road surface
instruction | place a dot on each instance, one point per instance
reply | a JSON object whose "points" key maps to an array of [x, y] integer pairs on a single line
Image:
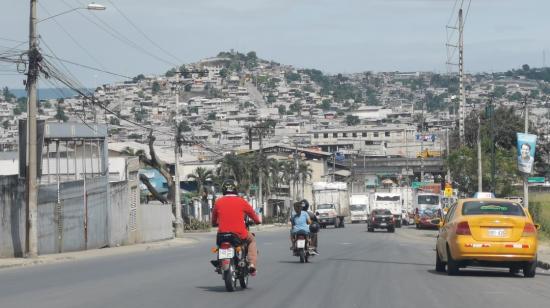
{"points": [[355, 269]]}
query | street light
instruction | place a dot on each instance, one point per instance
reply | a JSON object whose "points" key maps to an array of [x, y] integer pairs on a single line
{"points": [[92, 7], [32, 160]]}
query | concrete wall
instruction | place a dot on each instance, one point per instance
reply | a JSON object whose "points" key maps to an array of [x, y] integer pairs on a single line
{"points": [[12, 217], [70, 219], [155, 222]]}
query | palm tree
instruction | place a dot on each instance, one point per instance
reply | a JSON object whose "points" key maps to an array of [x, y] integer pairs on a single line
{"points": [[201, 176], [304, 173]]}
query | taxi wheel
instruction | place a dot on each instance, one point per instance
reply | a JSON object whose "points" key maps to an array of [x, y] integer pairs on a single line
{"points": [[514, 270], [530, 269], [452, 266], [439, 265]]}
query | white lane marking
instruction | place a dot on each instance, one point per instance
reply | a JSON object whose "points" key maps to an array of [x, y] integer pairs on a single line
{"points": [[345, 243]]}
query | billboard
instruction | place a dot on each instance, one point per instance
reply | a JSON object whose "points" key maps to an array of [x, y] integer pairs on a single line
{"points": [[526, 145]]}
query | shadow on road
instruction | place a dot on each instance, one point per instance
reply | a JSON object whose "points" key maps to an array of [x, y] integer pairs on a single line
{"points": [[482, 273], [379, 261], [218, 289]]}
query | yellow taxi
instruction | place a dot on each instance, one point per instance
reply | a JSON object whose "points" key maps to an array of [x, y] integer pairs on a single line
{"points": [[487, 232]]}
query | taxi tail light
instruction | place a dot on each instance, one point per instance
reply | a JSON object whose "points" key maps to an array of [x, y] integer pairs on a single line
{"points": [[463, 228], [529, 230], [225, 245]]}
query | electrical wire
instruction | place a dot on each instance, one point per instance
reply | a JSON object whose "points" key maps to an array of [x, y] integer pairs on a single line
{"points": [[121, 12], [73, 39], [119, 36]]}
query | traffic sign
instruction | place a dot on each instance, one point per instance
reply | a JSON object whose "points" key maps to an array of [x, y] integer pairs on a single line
{"points": [[419, 184], [448, 192], [537, 179]]}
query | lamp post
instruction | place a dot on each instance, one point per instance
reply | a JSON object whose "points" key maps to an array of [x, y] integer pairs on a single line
{"points": [[32, 160]]}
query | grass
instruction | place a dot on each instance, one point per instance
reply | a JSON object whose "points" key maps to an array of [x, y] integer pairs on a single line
{"points": [[539, 206]]}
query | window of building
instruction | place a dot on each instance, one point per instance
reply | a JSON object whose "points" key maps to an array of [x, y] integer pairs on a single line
{"points": [[325, 135], [354, 135], [387, 134], [335, 135], [344, 134], [364, 134], [375, 134], [369, 142], [315, 135]]}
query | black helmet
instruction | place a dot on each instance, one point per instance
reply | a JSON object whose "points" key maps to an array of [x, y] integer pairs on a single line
{"points": [[230, 187], [314, 227], [297, 206], [305, 205]]}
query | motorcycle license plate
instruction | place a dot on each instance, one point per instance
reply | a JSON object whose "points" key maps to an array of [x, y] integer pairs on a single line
{"points": [[301, 244], [226, 253]]}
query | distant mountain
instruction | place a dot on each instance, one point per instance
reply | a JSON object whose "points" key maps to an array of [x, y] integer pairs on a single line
{"points": [[48, 93]]}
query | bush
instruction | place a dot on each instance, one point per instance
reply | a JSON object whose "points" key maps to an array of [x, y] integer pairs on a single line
{"points": [[540, 211], [196, 225]]}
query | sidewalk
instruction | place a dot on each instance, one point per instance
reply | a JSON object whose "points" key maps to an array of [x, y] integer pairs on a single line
{"points": [[113, 251], [94, 253]]}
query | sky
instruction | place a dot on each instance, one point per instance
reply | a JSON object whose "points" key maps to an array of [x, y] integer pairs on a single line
{"points": [[335, 36]]}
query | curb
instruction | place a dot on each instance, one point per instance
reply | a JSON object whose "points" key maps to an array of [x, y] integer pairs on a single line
{"points": [[95, 253]]}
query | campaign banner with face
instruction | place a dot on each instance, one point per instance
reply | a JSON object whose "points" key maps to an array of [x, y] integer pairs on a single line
{"points": [[526, 152]]}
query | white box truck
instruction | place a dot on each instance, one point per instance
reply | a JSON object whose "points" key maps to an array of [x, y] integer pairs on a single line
{"points": [[331, 201], [359, 207], [389, 201]]}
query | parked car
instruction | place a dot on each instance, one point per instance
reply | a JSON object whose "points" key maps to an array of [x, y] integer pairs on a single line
{"points": [[487, 232], [381, 219]]}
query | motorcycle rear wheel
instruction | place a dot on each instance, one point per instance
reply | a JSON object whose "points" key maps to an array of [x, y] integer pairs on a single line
{"points": [[302, 254], [229, 276]]}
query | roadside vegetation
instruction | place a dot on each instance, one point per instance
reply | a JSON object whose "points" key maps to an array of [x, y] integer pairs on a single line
{"points": [[539, 206]]}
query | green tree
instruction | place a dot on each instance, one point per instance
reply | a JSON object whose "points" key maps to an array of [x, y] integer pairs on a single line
{"points": [[6, 124], [326, 104], [352, 120], [8, 96], [138, 78], [281, 109], [212, 116], [171, 72], [155, 88], [201, 176]]}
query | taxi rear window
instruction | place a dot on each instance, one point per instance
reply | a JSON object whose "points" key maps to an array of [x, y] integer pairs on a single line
{"points": [[492, 208]]}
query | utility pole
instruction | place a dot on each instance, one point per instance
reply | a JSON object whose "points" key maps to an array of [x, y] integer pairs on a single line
{"points": [[32, 159], [462, 106], [493, 158], [448, 178], [260, 190], [525, 185], [479, 167], [422, 142], [178, 224]]}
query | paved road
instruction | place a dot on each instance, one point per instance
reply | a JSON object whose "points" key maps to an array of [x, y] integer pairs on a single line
{"points": [[356, 269]]}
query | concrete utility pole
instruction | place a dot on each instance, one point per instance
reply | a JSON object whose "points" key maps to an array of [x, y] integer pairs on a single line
{"points": [[448, 177], [178, 224], [479, 167], [32, 159], [422, 143], [525, 184], [260, 180], [462, 104]]}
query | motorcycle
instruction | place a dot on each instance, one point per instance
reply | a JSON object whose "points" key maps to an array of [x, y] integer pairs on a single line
{"points": [[301, 246], [232, 262]]}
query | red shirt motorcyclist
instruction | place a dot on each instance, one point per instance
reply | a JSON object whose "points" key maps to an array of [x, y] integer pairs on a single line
{"points": [[228, 214]]}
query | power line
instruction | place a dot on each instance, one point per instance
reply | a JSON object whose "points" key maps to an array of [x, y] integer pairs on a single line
{"points": [[11, 40], [121, 37], [143, 33], [73, 39], [88, 67]]}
